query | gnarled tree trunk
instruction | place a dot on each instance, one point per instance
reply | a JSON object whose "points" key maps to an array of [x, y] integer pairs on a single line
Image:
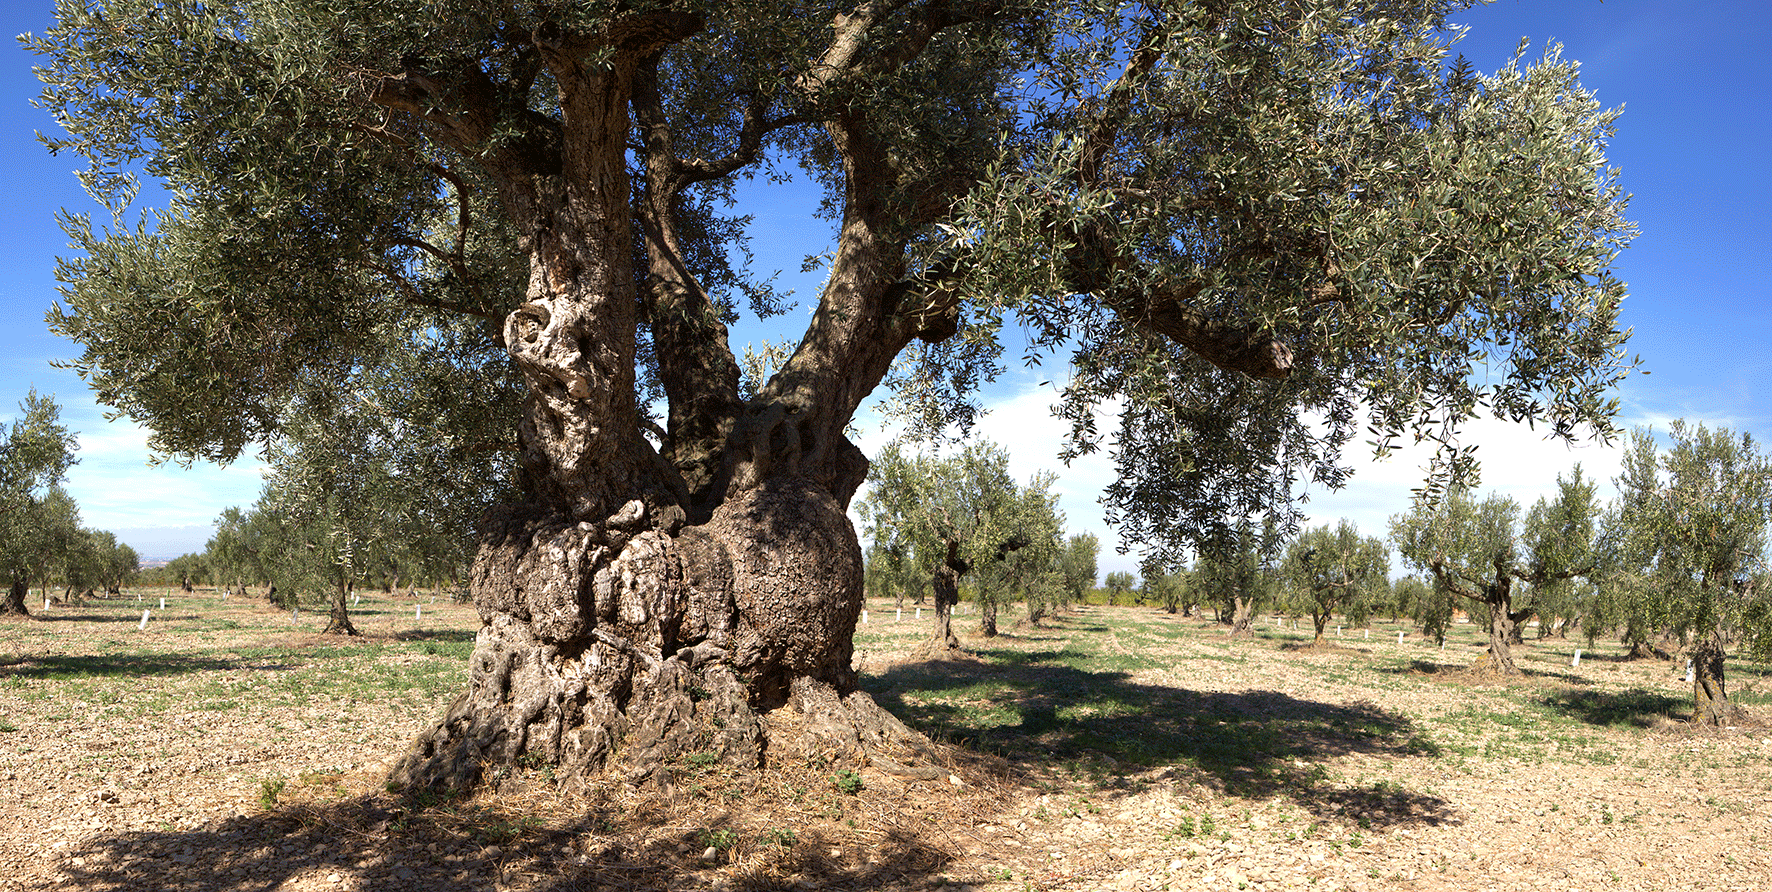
{"points": [[338, 616], [1500, 659], [987, 617], [633, 643], [646, 604], [1710, 698], [14, 605], [942, 643], [1242, 617]]}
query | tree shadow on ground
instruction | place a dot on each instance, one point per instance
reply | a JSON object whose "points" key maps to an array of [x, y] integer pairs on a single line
{"points": [[1635, 708], [451, 636], [375, 841], [65, 617], [1033, 708], [63, 666], [1477, 671]]}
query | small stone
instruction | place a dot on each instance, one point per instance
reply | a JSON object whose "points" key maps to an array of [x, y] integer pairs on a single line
{"points": [[333, 878], [710, 855], [955, 780]]}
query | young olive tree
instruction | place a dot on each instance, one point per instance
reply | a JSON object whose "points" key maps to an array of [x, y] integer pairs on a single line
{"points": [[1233, 572], [35, 453], [1077, 564], [1691, 534], [1239, 217], [1431, 607], [965, 516], [895, 569], [1117, 584], [1333, 570], [1169, 589]]}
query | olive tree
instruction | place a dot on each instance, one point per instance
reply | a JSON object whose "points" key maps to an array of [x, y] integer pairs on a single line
{"points": [[1234, 572], [1240, 218], [35, 452], [963, 516], [1332, 570], [1117, 584], [1477, 551], [1691, 526], [1170, 589], [1077, 563]]}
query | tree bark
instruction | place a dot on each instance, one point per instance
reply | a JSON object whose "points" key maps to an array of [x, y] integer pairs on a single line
{"points": [[1501, 633], [1242, 618], [15, 599], [987, 617], [628, 645], [1710, 698], [942, 644], [338, 617]]}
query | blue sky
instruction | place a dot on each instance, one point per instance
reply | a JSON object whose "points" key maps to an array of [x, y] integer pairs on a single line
{"points": [[1692, 144]]}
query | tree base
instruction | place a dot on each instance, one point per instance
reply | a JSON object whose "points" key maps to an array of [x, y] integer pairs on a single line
{"points": [[626, 649], [1489, 667], [339, 623], [686, 719], [939, 650]]}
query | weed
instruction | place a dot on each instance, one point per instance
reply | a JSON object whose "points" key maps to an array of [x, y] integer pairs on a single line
{"points": [[504, 832], [268, 791], [721, 839], [778, 836], [847, 782]]}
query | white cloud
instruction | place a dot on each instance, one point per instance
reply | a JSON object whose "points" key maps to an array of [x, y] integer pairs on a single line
{"points": [[117, 487], [1516, 461]]}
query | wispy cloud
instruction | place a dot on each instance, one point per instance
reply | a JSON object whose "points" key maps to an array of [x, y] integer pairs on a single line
{"points": [[118, 487], [1517, 461]]}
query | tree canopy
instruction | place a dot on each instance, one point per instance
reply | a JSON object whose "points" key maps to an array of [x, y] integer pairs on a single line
{"points": [[35, 452], [1304, 193], [1334, 570]]}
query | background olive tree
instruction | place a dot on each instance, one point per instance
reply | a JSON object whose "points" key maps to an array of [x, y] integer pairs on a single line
{"points": [[1689, 551], [35, 453], [1329, 571], [964, 517], [1478, 552]]}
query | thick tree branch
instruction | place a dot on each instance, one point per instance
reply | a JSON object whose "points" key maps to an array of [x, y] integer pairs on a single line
{"points": [[1253, 352], [695, 360]]}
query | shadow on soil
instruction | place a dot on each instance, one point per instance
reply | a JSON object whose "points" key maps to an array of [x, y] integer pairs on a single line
{"points": [[449, 636], [373, 842], [63, 667], [1635, 708], [1032, 708]]}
